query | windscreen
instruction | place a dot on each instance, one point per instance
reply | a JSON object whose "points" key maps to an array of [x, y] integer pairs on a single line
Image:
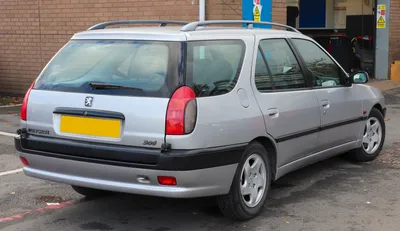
{"points": [[116, 67]]}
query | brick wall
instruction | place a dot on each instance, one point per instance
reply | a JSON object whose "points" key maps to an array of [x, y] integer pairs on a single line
{"points": [[394, 36], [31, 31], [19, 44], [279, 11]]}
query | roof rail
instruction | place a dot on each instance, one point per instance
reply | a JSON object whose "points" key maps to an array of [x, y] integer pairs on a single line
{"points": [[161, 22], [193, 25]]}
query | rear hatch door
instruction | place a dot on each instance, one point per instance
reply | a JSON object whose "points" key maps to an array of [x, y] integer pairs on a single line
{"points": [[112, 92]]}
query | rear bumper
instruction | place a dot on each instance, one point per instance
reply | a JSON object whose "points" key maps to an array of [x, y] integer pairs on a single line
{"points": [[116, 155], [193, 180]]}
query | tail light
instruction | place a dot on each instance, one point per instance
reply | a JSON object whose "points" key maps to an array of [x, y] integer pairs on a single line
{"points": [[181, 112], [24, 106]]}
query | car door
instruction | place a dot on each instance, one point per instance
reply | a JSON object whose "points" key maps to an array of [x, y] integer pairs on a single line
{"points": [[340, 106], [290, 109]]}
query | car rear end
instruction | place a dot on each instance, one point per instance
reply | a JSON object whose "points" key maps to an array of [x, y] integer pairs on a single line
{"points": [[99, 114]]}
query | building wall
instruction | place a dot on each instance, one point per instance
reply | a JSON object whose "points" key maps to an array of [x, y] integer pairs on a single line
{"points": [[31, 32], [394, 33], [357, 7], [279, 11]]}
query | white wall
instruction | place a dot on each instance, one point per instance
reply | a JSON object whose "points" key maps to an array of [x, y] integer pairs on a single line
{"points": [[292, 3], [357, 7], [340, 13], [330, 20], [352, 7]]}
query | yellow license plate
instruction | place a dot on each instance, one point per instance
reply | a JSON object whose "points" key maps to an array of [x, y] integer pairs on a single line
{"points": [[101, 127]]}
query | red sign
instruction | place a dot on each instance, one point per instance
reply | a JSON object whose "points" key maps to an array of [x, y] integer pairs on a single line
{"points": [[257, 2], [383, 12]]}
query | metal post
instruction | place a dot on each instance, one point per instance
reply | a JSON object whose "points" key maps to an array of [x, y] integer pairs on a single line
{"points": [[202, 18], [202, 10], [382, 45]]}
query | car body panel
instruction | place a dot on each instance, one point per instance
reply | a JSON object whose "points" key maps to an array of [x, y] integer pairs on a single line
{"points": [[340, 122]]}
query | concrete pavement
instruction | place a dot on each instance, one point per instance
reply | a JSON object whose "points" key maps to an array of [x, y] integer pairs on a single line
{"points": [[384, 85]]}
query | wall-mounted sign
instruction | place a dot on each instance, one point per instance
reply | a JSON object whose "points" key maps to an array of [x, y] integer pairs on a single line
{"points": [[381, 16], [257, 10]]}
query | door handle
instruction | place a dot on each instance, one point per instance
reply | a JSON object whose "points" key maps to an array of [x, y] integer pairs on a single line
{"points": [[273, 112], [325, 103]]}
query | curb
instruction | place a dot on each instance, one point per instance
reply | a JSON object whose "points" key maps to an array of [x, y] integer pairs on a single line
{"points": [[4, 110], [8, 106]]}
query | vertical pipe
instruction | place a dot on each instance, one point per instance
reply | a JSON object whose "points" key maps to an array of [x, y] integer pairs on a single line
{"points": [[202, 17], [202, 10], [362, 21]]}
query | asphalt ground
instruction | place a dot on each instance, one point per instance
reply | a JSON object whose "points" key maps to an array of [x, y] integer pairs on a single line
{"points": [[331, 195]]}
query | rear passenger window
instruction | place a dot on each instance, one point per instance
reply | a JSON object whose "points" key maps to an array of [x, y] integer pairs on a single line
{"points": [[213, 67], [262, 75], [285, 70]]}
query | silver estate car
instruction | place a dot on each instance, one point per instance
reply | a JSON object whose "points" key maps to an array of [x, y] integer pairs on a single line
{"points": [[194, 110]]}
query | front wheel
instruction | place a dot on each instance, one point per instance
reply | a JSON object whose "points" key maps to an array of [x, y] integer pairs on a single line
{"points": [[250, 185], [372, 140]]}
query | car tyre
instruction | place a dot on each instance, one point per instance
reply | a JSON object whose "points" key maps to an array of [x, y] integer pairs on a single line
{"points": [[253, 170], [374, 129], [90, 192]]}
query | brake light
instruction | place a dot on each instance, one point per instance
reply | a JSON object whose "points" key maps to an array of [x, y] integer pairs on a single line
{"points": [[166, 180], [24, 106], [181, 112]]}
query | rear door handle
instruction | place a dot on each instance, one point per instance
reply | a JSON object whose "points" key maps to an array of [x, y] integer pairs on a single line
{"points": [[273, 112], [325, 103]]}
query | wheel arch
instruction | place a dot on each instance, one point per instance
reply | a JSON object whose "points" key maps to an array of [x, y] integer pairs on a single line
{"points": [[269, 145], [379, 107]]}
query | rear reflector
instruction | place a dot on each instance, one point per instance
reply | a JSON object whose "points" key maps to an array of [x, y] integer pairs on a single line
{"points": [[181, 112], [24, 106], [166, 180], [24, 161]]}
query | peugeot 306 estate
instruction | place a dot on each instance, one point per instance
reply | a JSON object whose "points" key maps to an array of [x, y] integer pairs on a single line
{"points": [[194, 110]]}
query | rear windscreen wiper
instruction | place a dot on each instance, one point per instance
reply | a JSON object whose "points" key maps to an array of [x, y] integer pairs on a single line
{"points": [[96, 85]]}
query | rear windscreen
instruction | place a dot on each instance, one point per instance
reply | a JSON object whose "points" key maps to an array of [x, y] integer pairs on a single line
{"points": [[139, 68]]}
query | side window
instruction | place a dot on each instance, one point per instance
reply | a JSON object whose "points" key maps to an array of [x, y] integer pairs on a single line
{"points": [[212, 67], [324, 70], [285, 70], [262, 75]]}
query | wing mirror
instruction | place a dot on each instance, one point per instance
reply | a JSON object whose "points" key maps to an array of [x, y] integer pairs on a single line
{"points": [[360, 77]]}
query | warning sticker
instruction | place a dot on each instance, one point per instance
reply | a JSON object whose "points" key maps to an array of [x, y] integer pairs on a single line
{"points": [[381, 17], [257, 14]]}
